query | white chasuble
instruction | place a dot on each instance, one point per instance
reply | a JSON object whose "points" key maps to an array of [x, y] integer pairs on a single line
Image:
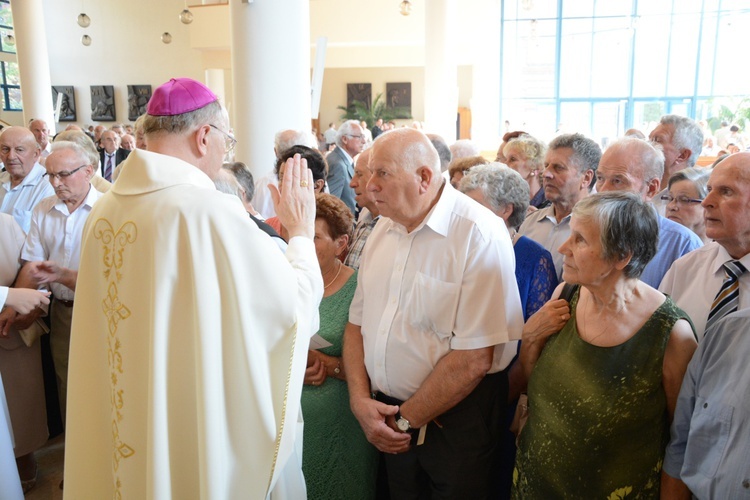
{"points": [[189, 343]]}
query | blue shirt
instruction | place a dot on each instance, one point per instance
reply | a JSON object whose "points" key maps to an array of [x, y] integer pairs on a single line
{"points": [[675, 240], [710, 446]]}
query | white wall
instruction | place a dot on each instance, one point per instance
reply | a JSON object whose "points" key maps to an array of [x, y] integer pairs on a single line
{"points": [[126, 48]]}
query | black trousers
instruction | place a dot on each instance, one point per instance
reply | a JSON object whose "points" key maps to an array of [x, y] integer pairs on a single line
{"points": [[459, 457]]}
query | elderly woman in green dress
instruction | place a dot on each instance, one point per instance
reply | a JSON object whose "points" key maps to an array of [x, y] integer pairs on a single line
{"points": [[602, 391]]}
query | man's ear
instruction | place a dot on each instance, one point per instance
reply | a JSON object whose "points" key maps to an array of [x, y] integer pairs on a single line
{"points": [[684, 156], [200, 139], [425, 175], [652, 188]]}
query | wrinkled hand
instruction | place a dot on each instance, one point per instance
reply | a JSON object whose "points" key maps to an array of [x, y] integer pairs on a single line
{"points": [[315, 374], [372, 416], [549, 319], [23, 321], [295, 204], [25, 300], [45, 272]]}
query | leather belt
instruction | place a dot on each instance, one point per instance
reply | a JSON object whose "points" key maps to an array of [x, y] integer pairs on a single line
{"points": [[66, 303]]}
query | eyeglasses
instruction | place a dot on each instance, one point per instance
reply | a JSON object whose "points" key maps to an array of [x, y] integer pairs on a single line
{"points": [[360, 137], [64, 174], [229, 140], [680, 200]]}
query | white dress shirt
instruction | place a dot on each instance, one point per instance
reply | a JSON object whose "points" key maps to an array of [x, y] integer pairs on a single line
{"points": [[55, 234], [19, 201], [542, 227], [449, 284], [694, 280]]}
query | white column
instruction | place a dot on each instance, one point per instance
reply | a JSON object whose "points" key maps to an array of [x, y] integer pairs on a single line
{"points": [[440, 72], [270, 75], [215, 81], [485, 101], [33, 61]]}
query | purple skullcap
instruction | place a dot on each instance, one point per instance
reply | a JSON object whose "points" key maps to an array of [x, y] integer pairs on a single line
{"points": [[178, 96]]}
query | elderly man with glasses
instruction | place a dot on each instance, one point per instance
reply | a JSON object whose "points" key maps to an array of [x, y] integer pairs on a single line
{"points": [[52, 250], [190, 327], [350, 141]]}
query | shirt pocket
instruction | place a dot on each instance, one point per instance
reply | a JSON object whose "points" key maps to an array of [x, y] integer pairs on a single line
{"points": [[709, 435], [433, 304], [23, 217]]}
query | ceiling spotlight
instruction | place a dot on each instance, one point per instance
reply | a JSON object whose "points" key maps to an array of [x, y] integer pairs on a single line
{"points": [[186, 17], [166, 37], [83, 20], [405, 8], [86, 40]]}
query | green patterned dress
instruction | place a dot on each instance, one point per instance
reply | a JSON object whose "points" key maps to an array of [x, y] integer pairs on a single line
{"points": [[598, 423], [337, 460]]}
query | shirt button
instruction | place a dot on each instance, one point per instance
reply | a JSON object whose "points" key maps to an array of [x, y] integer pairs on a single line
{"points": [[705, 405], [393, 300], [746, 484]]}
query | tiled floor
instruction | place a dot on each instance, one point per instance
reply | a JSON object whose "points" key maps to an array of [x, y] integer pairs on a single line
{"points": [[50, 463]]}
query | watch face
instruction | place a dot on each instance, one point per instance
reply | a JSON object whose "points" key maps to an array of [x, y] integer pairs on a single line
{"points": [[402, 424]]}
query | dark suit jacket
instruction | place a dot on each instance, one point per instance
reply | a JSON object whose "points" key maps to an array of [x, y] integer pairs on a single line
{"points": [[340, 173], [120, 156]]}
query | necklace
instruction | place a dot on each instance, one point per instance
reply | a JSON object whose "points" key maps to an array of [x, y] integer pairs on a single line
{"points": [[334, 278]]}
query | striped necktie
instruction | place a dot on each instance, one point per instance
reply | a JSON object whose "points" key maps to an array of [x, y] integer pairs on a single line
{"points": [[728, 298], [108, 167]]}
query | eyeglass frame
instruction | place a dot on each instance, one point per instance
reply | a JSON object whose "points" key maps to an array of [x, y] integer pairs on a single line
{"points": [[680, 200], [64, 174], [229, 140], [361, 137]]}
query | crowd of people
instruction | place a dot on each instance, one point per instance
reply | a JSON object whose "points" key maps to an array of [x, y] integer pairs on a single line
{"points": [[384, 315]]}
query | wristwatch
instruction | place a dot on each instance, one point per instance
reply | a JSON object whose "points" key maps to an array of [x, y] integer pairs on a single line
{"points": [[402, 424]]}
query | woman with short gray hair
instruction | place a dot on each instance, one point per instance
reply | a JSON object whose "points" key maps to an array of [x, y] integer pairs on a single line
{"points": [[506, 194], [604, 370], [525, 155]]}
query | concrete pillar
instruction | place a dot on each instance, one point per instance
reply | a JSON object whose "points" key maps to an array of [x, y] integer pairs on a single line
{"points": [[215, 81], [485, 101], [441, 72], [270, 42], [33, 61]]}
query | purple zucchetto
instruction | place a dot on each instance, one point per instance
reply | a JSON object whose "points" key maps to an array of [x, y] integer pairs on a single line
{"points": [[178, 96]]}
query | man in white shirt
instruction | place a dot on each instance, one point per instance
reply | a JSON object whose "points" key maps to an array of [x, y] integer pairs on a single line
{"points": [[52, 250], [431, 326], [694, 280], [569, 174], [21, 185]]}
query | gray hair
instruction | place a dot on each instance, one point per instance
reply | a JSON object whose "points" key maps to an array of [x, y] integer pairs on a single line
{"points": [[532, 148], [226, 183], [628, 227], [244, 177], [586, 152], [346, 128], [179, 124], [647, 154], [285, 139], [463, 148], [81, 139], [698, 176], [687, 135], [443, 151], [81, 153], [501, 186]]}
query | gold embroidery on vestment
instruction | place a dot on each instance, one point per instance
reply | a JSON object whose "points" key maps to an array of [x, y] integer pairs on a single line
{"points": [[114, 243]]}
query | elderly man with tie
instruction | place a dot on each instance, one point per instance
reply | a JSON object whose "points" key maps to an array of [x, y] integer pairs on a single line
{"points": [[712, 281], [112, 154]]}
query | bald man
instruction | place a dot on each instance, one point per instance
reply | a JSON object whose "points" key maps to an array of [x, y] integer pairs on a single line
{"points": [[432, 326]]}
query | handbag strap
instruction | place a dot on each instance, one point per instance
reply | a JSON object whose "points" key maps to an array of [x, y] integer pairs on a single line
{"points": [[568, 290]]}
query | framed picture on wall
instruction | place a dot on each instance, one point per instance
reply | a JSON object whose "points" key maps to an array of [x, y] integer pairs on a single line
{"points": [[398, 98], [67, 102], [103, 103], [138, 97], [361, 92]]}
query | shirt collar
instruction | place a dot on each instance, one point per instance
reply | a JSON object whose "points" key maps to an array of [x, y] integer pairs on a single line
{"points": [[32, 178], [438, 218], [723, 257], [89, 201]]}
